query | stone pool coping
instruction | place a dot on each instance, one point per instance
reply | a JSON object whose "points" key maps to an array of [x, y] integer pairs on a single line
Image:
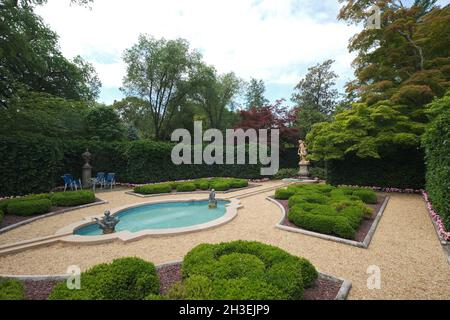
{"points": [[342, 294], [51, 214], [250, 186], [364, 244]]}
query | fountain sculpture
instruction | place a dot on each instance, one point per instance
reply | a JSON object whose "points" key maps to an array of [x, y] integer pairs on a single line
{"points": [[107, 223], [212, 199]]}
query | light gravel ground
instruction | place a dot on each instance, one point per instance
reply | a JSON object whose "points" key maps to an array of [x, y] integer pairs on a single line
{"points": [[405, 246]]}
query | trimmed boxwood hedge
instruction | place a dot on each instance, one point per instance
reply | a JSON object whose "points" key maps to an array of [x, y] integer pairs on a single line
{"points": [[29, 207], [186, 187], [123, 279], [72, 198], [437, 148], [11, 290], [327, 209], [243, 270], [154, 188]]}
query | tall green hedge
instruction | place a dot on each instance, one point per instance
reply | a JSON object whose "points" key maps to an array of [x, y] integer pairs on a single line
{"points": [[403, 169], [35, 164], [436, 142]]}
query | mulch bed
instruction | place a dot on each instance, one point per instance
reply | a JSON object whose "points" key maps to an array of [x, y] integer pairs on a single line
{"points": [[323, 289], [9, 219], [364, 228]]}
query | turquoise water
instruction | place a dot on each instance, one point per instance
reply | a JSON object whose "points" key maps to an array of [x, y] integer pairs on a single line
{"points": [[162, 216]]}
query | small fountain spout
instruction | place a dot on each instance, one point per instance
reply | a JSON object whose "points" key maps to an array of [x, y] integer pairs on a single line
{"points": [[212, 199]]}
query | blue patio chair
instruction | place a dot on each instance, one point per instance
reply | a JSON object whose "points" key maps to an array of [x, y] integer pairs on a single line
{"points": [[69, 181], [99, 180], [110, 180]]}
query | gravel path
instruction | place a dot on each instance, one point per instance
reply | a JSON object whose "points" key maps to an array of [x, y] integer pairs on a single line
{"points": [[405, 247]]}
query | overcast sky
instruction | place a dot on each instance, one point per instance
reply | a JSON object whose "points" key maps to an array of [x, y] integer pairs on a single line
{"points": [[273, 40]]}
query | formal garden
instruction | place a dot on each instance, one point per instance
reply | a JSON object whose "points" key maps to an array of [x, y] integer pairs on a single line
{"points": [[94, 207]]}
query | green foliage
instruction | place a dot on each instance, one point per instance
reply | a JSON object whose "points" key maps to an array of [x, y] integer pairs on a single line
{"points": [[220, 186], [283, 194], [186, 187], [2, 215], [72, 198], [436, 142], [4, 203], [104, 124], [326, 209], [29, 207], [11, 290], [317, 172], [123, 279], [286, 173], [154, 188], [254, 95], [243, 270]]}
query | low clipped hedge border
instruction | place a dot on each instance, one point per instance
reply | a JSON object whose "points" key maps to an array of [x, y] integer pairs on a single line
{"points": [[243, 270], [327, 209], [218, 184], [11, 290], [123, 279], [42, 203]]}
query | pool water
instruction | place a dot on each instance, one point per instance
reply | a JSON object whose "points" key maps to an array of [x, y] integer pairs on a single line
{"points": [[162, 216]]}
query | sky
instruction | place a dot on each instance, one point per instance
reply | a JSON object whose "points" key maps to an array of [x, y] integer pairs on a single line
{"points": [[273, 40]]}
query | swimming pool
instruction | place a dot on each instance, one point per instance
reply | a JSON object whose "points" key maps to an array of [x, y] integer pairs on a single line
{"points": [[159, 216]]}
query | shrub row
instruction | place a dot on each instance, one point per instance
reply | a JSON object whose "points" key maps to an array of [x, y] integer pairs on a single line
{"points": [[437, 148], [243, 270], [42, 203], [123, 279], [218, 184], [11, 290], [2, 215], [327, 209]]}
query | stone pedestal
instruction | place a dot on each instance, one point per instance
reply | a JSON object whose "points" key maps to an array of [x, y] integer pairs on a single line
{"points": [[304, 170], [86, 176]]}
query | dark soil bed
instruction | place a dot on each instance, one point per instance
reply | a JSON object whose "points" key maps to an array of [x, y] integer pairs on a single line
{"points": [[364, 228], [9, 220], [323, 289]]}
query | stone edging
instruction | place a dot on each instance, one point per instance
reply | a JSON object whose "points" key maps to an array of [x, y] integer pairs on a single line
{"points": [[131, 193], [364, 245], [51, 214], [342, 294]]}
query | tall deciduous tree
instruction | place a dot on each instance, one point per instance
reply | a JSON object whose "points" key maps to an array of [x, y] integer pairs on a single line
{"points": [[254, 96], [315, 96], [214, 93], [158, 72]]}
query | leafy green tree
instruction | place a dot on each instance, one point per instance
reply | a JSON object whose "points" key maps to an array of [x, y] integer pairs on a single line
{"points": [[254, 96], [104, 124], [30, 59], [214, 93], [315, 96], [407, 60], [31, 3], [158, 72]]}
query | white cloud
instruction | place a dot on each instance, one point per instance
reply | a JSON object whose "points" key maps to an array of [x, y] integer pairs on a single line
{"points": [[275, 40]]}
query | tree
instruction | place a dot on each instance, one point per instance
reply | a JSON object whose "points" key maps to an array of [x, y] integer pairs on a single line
{"points": [[214, 93], [271, 117], [406, 60], [158, 72], [103, 124], [30, 60], [315, 96], [254, 96], [31, 3]]}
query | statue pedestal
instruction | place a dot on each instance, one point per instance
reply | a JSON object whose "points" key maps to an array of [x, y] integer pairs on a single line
{"points": [[213, 205], [86, 176], [304, 170]]}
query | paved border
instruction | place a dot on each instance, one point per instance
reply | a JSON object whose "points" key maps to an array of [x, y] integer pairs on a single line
{"points": [[51, 214], [342, 294], [364, 245], [131, 193]]}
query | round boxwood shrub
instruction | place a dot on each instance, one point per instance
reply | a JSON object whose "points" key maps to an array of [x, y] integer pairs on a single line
{"points": [[154, 188], [4, 203], [238, 183], [246, 270], [123, 279], [220, 186], [73, 198], [366, 195], [286, 173], [186, 187], [11, 290], [29, 207], [203, 185]]}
